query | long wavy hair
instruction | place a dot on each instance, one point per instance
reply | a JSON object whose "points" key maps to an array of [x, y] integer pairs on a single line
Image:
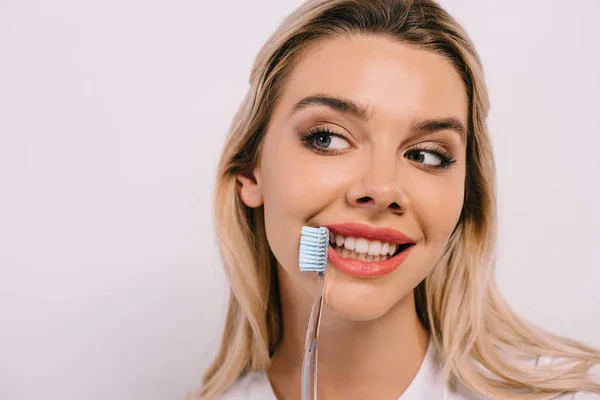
{"points": [[470, 323]]}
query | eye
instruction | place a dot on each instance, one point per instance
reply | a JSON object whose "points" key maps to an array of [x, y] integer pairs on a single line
{"points": [[323, 141], [431, 157], [326, 140], [425, 157]]}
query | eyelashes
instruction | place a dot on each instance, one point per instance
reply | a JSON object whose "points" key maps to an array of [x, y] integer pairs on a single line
{"points": [[320, 140], [444, 158], [325, 141]]}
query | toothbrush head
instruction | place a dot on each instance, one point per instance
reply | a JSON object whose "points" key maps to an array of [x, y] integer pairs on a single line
{"points": [[314, 244]]}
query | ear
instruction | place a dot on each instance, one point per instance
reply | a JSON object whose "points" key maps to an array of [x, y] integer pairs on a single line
{"points": [[249, 190]]}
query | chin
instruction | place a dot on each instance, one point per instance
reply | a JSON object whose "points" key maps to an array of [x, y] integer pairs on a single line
{"points": [[358, 300]]}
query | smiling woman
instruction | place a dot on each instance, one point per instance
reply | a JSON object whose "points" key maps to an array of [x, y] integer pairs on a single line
{"points": [[368, 117]]}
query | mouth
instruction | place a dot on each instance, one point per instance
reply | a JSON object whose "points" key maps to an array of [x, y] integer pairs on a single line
{"points": [[367, 251], [360, 248]]}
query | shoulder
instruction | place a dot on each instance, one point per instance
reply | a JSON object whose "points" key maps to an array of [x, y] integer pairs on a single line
{"points": [[254, 385], [460, 392]]}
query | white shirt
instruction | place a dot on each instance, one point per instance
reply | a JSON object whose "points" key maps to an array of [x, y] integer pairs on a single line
{"points": [[426, 385]]}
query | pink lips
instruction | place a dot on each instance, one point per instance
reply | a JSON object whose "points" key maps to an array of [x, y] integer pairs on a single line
{"points": [[371, 269], [369, 232]]}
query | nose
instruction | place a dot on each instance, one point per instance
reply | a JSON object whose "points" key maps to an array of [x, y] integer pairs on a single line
{"points": [[379, 188]]}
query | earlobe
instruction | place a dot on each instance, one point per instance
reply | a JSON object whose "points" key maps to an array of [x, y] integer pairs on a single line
{"points": [[249, 191]]}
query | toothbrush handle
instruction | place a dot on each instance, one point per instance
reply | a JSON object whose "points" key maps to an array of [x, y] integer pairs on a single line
{"points": [[309, 366]]}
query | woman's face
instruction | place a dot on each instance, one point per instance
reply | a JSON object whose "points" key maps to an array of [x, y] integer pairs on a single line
{"points": [[368, 139]]}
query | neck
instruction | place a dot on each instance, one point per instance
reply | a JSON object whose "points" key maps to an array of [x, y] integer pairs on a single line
{"points": [[357, 359]]}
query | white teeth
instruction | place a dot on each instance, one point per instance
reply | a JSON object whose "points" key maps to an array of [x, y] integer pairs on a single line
{"points": [[375, 247], [352, 247], [362, 245], [385, 249], [350, 243], [393, 247]]}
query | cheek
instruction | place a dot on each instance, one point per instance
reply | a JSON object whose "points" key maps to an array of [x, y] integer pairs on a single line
{"points": [[437, 202], [296, 182], [296, 185], [287, 174]]}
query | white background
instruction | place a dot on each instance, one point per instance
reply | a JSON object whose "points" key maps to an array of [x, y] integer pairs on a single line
{"points": [[112, 117]]}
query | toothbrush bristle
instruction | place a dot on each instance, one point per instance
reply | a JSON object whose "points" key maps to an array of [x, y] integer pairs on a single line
{"points": [[314, 244]]}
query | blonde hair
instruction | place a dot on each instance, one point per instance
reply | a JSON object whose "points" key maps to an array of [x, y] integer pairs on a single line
{"points": [[458, 303]]}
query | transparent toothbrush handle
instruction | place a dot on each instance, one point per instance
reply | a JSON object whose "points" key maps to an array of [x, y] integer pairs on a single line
{"points": [[309, 366]]}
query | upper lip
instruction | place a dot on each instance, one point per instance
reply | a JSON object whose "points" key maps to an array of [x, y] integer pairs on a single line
{"points": [[370, 232]]}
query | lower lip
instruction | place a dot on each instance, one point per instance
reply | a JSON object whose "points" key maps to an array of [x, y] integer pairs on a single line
{"points": [[367, 269]]}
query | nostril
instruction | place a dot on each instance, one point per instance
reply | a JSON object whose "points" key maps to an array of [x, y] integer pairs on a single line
{"points": [[369, 201]]}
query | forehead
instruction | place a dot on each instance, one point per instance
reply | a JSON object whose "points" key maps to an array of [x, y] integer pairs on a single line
{"points": [[392, 78]]}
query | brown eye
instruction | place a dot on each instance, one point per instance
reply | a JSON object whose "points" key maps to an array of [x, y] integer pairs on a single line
{"points": [[425, 157]]}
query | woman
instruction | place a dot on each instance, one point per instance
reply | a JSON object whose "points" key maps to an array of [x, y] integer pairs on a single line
{"points": [[368, 117]]}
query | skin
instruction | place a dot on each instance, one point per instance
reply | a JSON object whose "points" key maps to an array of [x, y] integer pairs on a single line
{"points": [[371, 343]]}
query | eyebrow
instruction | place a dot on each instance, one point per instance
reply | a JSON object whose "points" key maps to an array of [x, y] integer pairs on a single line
{"points": [[345, 106], [359, 111], [427, 126]]}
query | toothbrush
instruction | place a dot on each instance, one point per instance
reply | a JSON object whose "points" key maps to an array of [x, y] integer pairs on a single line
{"points": [[314, 244]]}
